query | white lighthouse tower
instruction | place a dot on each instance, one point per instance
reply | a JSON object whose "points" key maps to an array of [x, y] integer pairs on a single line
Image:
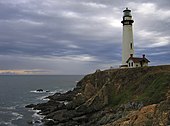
{"points": [[127, 44]]}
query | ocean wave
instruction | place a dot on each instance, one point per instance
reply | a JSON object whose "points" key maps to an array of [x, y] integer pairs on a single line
{"points": [[8, 108], [12, 116], [44, 98], [53, 92], [36, 115], [17, 116], [7, 123], [37, 118], [57, 90], [39, 92]]}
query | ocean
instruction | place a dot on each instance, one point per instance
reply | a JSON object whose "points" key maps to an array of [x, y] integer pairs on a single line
{"points": [[17, 91]]}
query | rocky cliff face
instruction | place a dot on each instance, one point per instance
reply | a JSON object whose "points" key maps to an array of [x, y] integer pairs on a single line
{"points": [[115, 97]]}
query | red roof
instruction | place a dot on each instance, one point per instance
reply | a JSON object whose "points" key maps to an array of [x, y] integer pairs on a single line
{"points": [[138, 60]]}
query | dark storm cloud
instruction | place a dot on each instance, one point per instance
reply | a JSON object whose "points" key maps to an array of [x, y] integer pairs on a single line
{"points": [[84, 35]]}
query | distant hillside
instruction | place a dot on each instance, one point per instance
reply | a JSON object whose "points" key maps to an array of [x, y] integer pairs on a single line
{"points": [[116, 97]]}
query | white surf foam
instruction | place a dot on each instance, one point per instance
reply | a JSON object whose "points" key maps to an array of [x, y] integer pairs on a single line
{"points": [[43, 98], [65, 102], [17, 116], [36, 115], [38, 92], [37, 118]]}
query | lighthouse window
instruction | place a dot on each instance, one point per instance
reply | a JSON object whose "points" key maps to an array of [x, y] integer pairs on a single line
{"points": [[131, 45], [127, 13]]}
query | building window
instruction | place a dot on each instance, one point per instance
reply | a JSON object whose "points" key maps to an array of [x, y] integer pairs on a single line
{"points": [[129, 64], [136, 65], [131, 45], [132, 64]]}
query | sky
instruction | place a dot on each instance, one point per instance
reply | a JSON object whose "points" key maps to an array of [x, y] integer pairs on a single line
{"points": [[71, 37]]}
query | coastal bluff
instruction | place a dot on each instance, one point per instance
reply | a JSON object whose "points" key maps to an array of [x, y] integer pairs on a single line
{"points": [[114, 97]]}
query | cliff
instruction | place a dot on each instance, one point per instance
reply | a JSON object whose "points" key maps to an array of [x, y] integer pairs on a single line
{"points": [[114, 97]]}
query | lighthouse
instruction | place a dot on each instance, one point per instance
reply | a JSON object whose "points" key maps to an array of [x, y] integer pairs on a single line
{"points": [[127, 43], [128, 59]]}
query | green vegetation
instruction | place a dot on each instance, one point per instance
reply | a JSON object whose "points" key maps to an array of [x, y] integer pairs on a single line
{"points": [[156, 89], [149, 88]]}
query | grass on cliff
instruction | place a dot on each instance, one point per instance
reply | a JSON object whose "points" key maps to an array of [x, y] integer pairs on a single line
{"points": [[150, 88], [155, 91]]}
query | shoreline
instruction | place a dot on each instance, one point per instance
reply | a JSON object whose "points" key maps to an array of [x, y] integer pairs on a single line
{"points": [[112, 97], [57, 101]]}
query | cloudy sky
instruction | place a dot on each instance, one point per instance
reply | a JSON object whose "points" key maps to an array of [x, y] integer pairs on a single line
{"points": [[78, 36]]}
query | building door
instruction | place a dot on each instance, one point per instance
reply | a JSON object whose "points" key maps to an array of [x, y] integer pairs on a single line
{"points": [[141, 64]]}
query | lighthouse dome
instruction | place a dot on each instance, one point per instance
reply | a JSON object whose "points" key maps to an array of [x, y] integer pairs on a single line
{"points": [[127, 12]]}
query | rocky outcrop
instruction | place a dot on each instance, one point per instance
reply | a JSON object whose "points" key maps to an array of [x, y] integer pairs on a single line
{"points": [[141, 117], [114, 97], [150, 115]]}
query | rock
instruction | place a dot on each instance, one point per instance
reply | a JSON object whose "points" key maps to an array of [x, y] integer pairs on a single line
{"points": [[111, 98], [137, 118], [68, 96], [37, 121], [30, 122], [89, 90], [49, 122], [77, 101], [49, 107], [30, 106], [47, 91], [81, 119], [69, 123], [40, 90]]}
